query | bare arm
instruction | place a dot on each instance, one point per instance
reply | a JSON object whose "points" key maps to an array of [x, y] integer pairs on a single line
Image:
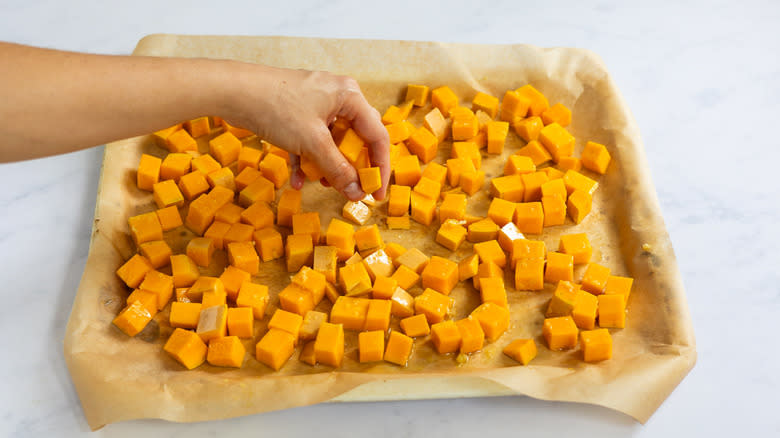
{"points": [[53, 102]]}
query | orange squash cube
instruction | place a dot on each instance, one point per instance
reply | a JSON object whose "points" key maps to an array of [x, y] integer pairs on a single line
{"points": [[225, 148], [468, 267], [162, 135], [482, 231], [157, 252], [227, 351], [371, 345], [554, 210], [354, 280], [492, 290], [405, 277], [507, 235], [350, 311], [329, 345], [563, 300], [341, 235], [527, 249], [286, 321], [145, 228], [577, 181], [513, 106], [181, 141], [579, 205], [240, 322], [536, 152], [595, 157], [193, 185], [487, 270], [585, 310], [169, 218], [275, 348], [310, 326], [493, 318], [423, 144], [378, 315], [496, 136], [560, 332], [205, 284], [370, 179], [509, 187], [133, 271], [148, 173], [274, 168], [444, 99], [232, 279], [269, 243], [296, 299], [452, 207], [223, 177], [133, 318], [174, 166], [258, 215], [261, 189], [596, 345], [379, 264], [417, 94], [289, 205], [532, 183], [243, 256], [456, 167], [307, 223], [402, 303], [557, 113], [248, 157], [422, 208], [184, 270], [557, 140], [398, 200], [446, 337], [198, 127], [428, 188], [521, 350], [566, 163], [552, 173], [471, 181], [529, 217], [555, 187], [518, 165], [490, 251], [160, 284], [501, 211], [212, 323], [383, 288], [485, 102], [559, 267], [205, 164], [187, 348], [254, 296], [594, 280], [433, 305], [325, 262], [299, 251], [451, 234], [578, 246], [147, 298], [399, 348], [368, 237], [529, 274], [312, 281], [617, 285], [612, 311], [415, 326], [307, 354], [398, 132], [464, 124], [407, 170], [200, 250], [435, 122], [528, 129], [440, 275], [238, 233], [472, 338], [351, 144], [246, 177], [538, 103], [216, 232]]}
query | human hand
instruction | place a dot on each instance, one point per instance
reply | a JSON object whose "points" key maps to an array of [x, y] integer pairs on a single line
{"points": [[293, 110]]}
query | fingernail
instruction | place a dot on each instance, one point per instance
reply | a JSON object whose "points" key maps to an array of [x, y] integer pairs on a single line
{"points": [[353, 192]]}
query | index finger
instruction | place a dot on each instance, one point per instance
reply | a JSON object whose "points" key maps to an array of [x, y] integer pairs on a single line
{"points": [[368, 124]]}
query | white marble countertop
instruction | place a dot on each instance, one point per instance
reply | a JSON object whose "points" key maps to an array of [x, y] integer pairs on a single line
{"points": [[703, 82]]}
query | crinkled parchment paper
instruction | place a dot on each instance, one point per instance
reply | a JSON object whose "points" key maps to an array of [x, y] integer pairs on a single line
{"points": [[120, 378]]}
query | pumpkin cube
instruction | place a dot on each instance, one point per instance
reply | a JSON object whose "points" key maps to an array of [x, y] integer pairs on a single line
{"points": [[261, 189], [452, 207], [538, 103], [205, 284], [133, 318], [378, 315], [528, 129], [148, 173], [405, 277], [275, 348], [446, 337], [255, 296], [487, 270], [289, 204], [398, 200], [617, 285], [350, 311], [585, 310], [226, 352], [490, 251], [169, 218], [246, 177], [579, 205], [424, 144], [594, 280], [440, 275], [287, 321], [563, 300], [428, 188], [200, 250], [532, 183], [485, 102], [527, 249], [407, 170], [274, 168], [493, 318], [298, 251], [184, 270], [399, 348], [482, 231], [312, 281], [225, 148], [422, 208], [496, 136], [577, 181], [269, 243], [435, 122], [456, 167], [518, 165], [554, 210], [558, 141], [161, 135], [243, 256], [187, 348], [451, 234], [559, 267], [329, 345], [521, 350], [464, 124], [595, 157], [351, 144], [258, 215], [181, 141], [198, 127], [379, 264], [552, 173], [418, 94], [596, 345], [371, 345], [492, 290], [185, 315], [415, 326], [529, 217], [513, 106], [133, 271], [160, 284], [307, 223], [612, 311], [205, 164], [311, 323], [216, 232], [472, 337], [507, 235], [383, 288], [248, 158], [193, 185], [307, 354], [368, 237], [157, 252], [578, 246], [296, 299], [222, 177], [325, 261], [402, 303], [341, 235], [557, 113], [560, 332], [501, 211], [145, 228], [212, 323], [444, 99], [573, 163], [433, 305], [238, 232], [413, 259], [529, 274], [468, 267]]}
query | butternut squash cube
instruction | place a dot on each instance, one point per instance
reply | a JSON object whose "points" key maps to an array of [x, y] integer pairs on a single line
{"points": [[198, 127], [521, 350], [468, 150], [529, 217], [193, 185], [595, 157], [240, 322], [187, 348], [222, 177], [341, 235], [471, 181], [417, 94], [579, 205], [435, 122], [538, 103], [559, 267], [402, 303], [594, 280], [501, 211], [296, 299], [518, 165], [487, 270], [203, 285], [612, 311], [205, 164], [554, 210], [596, 345], [536, 152], [440, 275], [585, 310], [485, 102], [407, 170], [371, 345], [563, 300], [225, 148], [399, 348], [133, 318], [226, 352], [213, 298], [145, 228], [464, 124], [378, 315], [451, 234], [424, 144], [557, 113], [434, 305], [398, 200], [351, 144], [557, 140], [298, 251], [513, 106], [507, 235], [133, 271], [244, 256], [356, 211], [274, 168], [446, 337], [157, 252], [560, 332], [492, 290], [354, 280], [405, 277], [160, 284], [482, 231], [452, 207], [216, 232], [161, 136], [456, 167], [289, 204], [617, 285], [428, 188], [496, 136], [552, 173], [147, 298], [490, 251], [509, 187], [269, 242], [555, 187], [212, 323], [329, 345], [248, 157], [307, 223], [246, 177], [566, 163], [422, 208], [201, 214], [310, 326], [383, 288], [169, 218], [258, 215], [261, 189], [286, 321], [255, 296], [528, 129], [577, 181], [325, 261], [413, 259], [200, 250], [275, 348], [472, 338], [415, 326], [307, 354], [444, 99], [312, 281], [529, 274], [350, 311], [379, 264], [181, 141], [468, 267], [232, 279], [148, 173], [238, 232], [398, 223], [578, 246], [397, 132], [532, 182], [527, 249], [184, 270]]}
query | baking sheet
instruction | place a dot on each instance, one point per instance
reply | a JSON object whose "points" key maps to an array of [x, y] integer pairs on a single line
{"points": [[121, 378]]}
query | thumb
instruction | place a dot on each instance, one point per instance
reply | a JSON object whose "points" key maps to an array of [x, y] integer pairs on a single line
{"points": [[334, 166]]}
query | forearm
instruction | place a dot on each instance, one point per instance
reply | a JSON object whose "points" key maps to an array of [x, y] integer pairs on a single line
{"points": [[54, 102]]}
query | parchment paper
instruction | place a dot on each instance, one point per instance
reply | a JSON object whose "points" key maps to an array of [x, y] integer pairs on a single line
{"points": [[121, 378]]}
